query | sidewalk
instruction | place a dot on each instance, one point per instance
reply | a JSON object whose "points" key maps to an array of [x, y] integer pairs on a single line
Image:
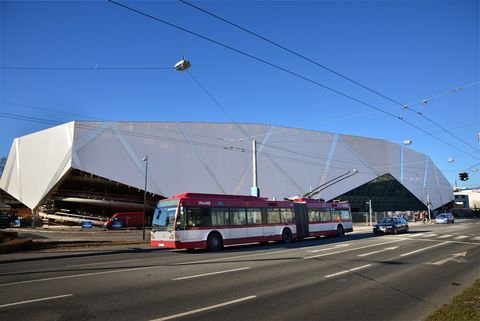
{"points": [[64, 238], [72, 243]]}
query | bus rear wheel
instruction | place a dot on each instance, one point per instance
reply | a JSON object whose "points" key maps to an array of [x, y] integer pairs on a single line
{"points": [[287, 236], [214, 242], [340, 231]]}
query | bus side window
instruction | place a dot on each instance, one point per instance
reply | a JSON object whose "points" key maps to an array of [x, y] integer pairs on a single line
{"points": [[220, 216], [254, 216], [198, 216], [273, 216], [345, 215], [335, 214], [238, 216], [287, 215], [313, 215], [324, 215]]}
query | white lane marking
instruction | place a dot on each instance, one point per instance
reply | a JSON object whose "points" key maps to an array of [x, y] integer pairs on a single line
{"points": [[445, 236], [455, 257], [425, 248], [211, 273], [239, 256], [98, 263], [82, 275], [429, 235], [35, 300], [382, 250], [461, 237], [329, 248], [348, 271], [476, 238], [179, 315], [348, 250], [414, 234]]}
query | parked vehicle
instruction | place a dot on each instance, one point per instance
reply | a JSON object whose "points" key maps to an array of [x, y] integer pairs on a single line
{"points": [[445, 218], [127, 219], [393, 225], [5, 220]]}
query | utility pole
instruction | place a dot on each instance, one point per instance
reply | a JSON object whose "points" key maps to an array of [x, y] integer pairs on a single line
{"points": [[369, 212], [145, 159], [255, 191], [428, 207]]}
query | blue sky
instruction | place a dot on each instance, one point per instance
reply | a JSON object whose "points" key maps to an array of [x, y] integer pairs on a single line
{"points": [[406, 50]]}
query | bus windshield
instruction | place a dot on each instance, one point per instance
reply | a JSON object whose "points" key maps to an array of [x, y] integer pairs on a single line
{"points": [[164, 215]]}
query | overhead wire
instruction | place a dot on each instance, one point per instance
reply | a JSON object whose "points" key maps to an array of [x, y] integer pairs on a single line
{"points": [[289, 72], [330, 69], [202, 87], [82, 68], [126, 68], [290, 51], [93, 118]]}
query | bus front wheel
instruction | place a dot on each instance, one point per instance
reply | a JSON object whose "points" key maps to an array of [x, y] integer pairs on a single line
{"points": [[214, 242]]}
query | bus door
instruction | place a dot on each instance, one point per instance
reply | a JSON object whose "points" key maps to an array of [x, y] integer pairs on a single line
{"points": [[301, 219]]}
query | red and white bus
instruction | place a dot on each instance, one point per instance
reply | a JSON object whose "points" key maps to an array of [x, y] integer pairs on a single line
{"points": [[192, 220]]}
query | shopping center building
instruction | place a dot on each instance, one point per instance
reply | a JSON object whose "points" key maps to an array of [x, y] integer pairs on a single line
{"points": [[102, 167]]}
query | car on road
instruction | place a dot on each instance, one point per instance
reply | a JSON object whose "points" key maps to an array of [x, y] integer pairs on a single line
{"points": [[127, 219], [445, 218], [393, 225], [5, 220]]}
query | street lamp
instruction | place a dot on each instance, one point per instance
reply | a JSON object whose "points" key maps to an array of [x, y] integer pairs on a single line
{"points": [[254, 191], [182, 65], [145, 159], [369, 211]]}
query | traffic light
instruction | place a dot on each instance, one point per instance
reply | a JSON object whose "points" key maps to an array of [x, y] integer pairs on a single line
{"points": [[463, 176]]}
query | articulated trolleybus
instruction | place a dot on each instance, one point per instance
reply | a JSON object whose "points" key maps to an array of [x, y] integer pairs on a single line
{"points": [[210, 221]]}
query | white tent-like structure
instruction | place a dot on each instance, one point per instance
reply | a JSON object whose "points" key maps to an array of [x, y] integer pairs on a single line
{"points": [[213, 158]]}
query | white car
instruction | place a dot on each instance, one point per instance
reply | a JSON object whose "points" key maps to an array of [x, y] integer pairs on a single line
{"points": [[445, 218]]}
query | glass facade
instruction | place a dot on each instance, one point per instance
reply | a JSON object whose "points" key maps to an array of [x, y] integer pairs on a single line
{"points": [[386, 193]]}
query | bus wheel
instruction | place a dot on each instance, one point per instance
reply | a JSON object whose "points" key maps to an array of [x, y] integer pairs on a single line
{"points": [[340, 231], [287, 236], [214, 242]]}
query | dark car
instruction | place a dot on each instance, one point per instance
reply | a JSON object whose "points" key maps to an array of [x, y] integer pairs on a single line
{"points": [[393, 225], [5, 220]]}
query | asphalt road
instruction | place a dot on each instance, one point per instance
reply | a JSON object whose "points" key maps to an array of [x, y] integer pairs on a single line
{"points": [[356, 277]]}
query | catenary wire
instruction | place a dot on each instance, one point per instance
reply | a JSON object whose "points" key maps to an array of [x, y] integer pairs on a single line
{"points": [[211, 97], [290, 51], [289, 72], [83, 68], [328, 69]]}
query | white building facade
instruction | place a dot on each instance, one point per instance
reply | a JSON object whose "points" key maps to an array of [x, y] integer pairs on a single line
{"points": [[213, 158]]}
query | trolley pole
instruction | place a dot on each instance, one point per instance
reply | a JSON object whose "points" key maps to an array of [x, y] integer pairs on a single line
{"points": [[255, 191], [145, 159]]}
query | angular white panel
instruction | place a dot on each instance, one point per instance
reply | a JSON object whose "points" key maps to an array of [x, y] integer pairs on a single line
{"points": [[213, 158]]}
